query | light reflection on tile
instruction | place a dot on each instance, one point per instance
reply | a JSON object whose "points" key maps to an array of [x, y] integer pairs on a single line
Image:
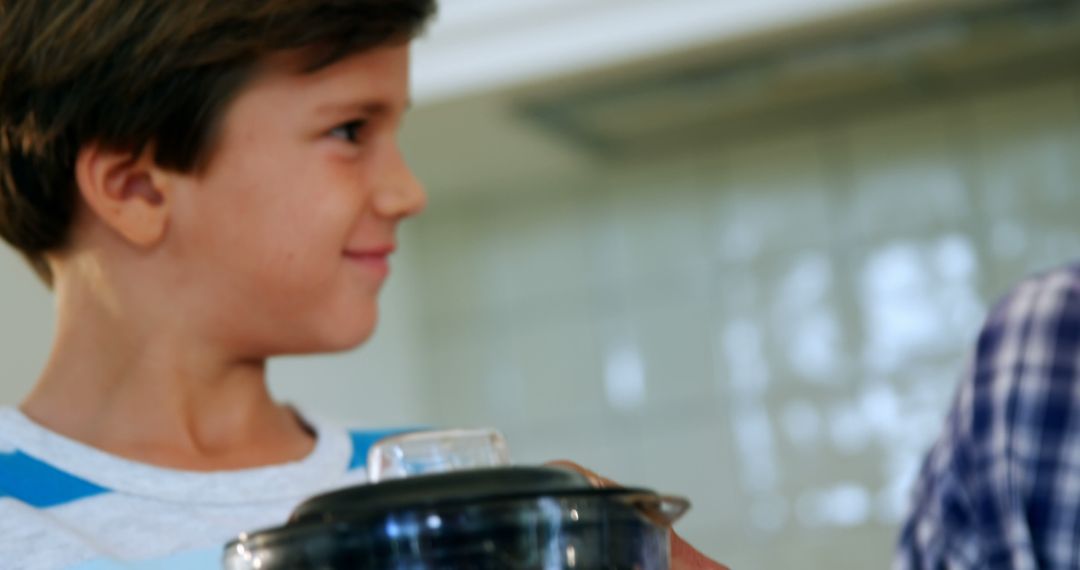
{"points": [[802, 424], [624, 377], [848, 428], [668, 327], [896, 302], [748, 370], [754, 439], [880, 406], [804, 319], [901, 467], [846, 504], [769, 513]]}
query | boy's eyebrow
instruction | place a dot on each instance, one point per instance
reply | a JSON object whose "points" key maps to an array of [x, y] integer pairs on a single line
{"points": [[372, 107]]}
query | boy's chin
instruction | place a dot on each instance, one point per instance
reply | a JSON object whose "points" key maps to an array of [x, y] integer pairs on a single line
{"points": [[345, 337], [348, 340]]}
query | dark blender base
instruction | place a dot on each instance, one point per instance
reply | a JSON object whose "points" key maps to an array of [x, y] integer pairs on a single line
{"points": [[537, 533]]}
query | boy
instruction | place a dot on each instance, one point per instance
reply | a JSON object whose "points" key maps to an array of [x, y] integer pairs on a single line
{"points": [[204, 184]]}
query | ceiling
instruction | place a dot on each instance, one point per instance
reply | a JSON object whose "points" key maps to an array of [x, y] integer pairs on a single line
{"points": [[499, 135]]}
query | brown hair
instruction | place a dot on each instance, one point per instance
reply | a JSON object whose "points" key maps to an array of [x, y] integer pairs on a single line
{"points": [[126, 73]]}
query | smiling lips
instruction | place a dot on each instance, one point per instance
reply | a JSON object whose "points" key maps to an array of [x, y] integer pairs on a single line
{"points": [[375, 259]]}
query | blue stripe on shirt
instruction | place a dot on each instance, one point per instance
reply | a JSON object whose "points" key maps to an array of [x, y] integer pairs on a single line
{"points": [[39, 484]]}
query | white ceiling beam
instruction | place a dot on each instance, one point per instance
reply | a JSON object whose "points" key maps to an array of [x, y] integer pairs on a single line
{"points": [[483, 45]]}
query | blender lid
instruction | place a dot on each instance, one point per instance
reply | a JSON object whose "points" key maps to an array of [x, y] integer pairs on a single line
{"points": [[470, 486]]}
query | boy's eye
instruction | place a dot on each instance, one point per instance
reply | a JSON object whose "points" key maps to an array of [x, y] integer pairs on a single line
{"points": [[349, 132]]}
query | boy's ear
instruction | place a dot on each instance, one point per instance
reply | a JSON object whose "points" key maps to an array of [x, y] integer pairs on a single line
{"points": [[126, 191]]}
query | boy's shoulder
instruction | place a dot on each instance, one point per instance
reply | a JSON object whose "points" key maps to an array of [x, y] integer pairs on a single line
{"points": [[30, 538]]}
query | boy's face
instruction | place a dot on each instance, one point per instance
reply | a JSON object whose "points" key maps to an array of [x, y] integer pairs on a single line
{"points": [[281, 243]]}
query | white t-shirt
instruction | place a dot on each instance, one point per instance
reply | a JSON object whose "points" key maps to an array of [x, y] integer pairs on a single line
{"points": [[64, 504]]}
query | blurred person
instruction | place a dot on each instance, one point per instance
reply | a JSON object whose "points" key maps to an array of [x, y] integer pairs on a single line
{"points": [[204, 185], [1001, 486]]}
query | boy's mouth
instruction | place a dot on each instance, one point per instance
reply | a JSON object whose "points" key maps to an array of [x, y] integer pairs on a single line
{"points": [[375, 259]]}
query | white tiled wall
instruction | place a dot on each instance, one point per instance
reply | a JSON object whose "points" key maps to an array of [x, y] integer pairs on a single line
{"points": [[26, 326], [773, 328]]}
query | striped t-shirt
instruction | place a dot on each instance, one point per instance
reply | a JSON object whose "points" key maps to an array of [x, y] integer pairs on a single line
{"points": [[67, 505]]}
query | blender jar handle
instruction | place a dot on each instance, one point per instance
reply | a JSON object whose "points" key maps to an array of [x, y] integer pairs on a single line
{"points": [[663, 510]]}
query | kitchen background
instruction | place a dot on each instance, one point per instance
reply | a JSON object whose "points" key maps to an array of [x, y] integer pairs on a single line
{"points": [[729, 249]]}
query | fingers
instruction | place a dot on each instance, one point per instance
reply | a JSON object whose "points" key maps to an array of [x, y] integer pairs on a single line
{"points": [[686, 557], [683, 556]]}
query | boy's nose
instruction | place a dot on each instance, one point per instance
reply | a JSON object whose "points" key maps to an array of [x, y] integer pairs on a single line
{"points": [[400, 194]]}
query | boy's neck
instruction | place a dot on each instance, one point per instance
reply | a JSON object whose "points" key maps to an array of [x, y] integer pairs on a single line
{"points": [[165, 399]]}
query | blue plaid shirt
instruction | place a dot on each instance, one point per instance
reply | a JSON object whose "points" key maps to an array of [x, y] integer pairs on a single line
{"points": [[1001, 487]]}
